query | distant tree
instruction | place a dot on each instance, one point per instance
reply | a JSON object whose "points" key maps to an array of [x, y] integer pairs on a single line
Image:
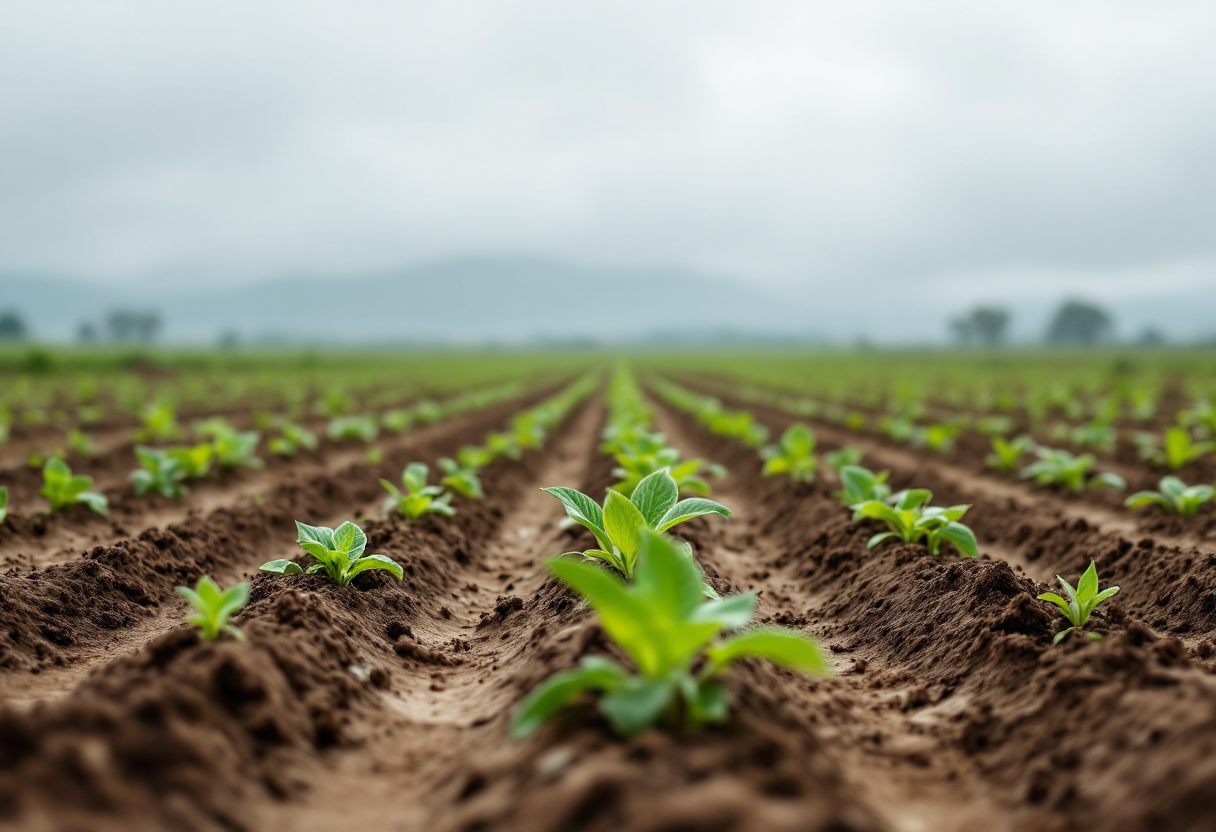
{"points": [[984, 324], [1078, 322], [128, 326], [12, 326]]}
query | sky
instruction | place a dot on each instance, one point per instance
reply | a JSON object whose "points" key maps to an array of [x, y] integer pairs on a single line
{"points": [[953, 152]]}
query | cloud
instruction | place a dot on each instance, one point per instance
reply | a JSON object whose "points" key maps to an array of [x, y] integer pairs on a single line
{"points": [[811, 144]]}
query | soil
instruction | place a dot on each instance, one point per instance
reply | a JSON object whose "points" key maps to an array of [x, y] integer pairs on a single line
{"points": [[384, 706]]}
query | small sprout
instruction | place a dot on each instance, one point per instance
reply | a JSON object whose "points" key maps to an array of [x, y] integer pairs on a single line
{"points": [[419, 498], [214, 607], [994, 425], [839, 458], [397, 421], [1174, 496], [338, 552], [427, 412], [642, 452], [1007, 453], [503, 445], [235, 449], [861, 485], [63, 489], [159, 423], [1081, 601], [194, 460], [911, 518], [362, 428], [374, 455], [617, 527], [81, 443], [293, 438], [160, 472], [211, 427], [1056, 467], [3, 503], [794, 455], [1181, 450], [664, 626], [1096, 434], [462, 479], [936, 437]]}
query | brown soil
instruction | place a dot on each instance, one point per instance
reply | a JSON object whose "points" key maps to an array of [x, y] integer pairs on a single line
{"points": [[384, 706]]}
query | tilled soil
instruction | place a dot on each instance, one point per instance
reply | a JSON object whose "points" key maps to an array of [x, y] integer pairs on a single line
{"points": [[385, 706]]}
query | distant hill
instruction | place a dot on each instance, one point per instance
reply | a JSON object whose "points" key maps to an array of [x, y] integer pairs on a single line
{"points": [[471, 300]]}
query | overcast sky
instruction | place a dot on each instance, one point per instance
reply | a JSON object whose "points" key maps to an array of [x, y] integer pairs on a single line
{"points": [[1069, 146]]}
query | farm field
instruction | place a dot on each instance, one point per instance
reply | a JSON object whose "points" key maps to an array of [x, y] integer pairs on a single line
{"points": [[852, 639]]}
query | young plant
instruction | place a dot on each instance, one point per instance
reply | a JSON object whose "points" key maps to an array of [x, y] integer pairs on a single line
{"points": [[160, 472], [674, 640], [338, 554], [235, 449], [1056, 467], [419, 498], [839, 458], [159, 423], [936, 437], [398, 421], [794, 455], [861, 485], [362, 428], [63, 489], [214, 606], [3, 503], [1180, 449], [1174, 496], [1007, 453], [649, 453], [194, 460], [81, 443], [617, 527], [293, 438], [912, 519], [503, 445], [462, 479], [1081, 601]]}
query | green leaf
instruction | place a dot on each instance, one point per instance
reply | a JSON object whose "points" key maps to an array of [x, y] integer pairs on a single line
{"points": [[636, 705], [1057, 600], [414, 476], [539, 706], [384, 562], [879, 538], [784, 647], [1087, 587], [731, 612], [97, 502], [623, 522], [584, 511], [655, 495], [962, 537], [350, 539], [281, 566], [671, 580], [688, 509], [710, 703], [624, 618], [315, 534]]}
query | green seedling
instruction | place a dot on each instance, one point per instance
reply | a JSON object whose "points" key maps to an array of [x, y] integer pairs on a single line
{"points": [[338, 554], [649, 453], [912, 519], [1097, 434], [1181, 450], [211, 427], [81, 443], [1056, 467], [419, 498], [994, 425], [213, 607], [427, 412], [899, 428], [335, 402], [1081, 601], [528, 431], [1148, 446], [397, 421], [362, 428], [794, 455], [471, 456], [235, 449], [194, 460], [293, 438], [159, 423], [3, 503], [503, 445], [159, 472], [37, 458], [936, 437], [1007, 453], [861, 485], [63, 489], [740, 425], [674, 641], [839, 458], [617, 527], [462, 479], [1174, 496]]}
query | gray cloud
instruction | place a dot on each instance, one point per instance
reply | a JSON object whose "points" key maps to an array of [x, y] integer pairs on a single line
{"points": [[823, 145]]}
